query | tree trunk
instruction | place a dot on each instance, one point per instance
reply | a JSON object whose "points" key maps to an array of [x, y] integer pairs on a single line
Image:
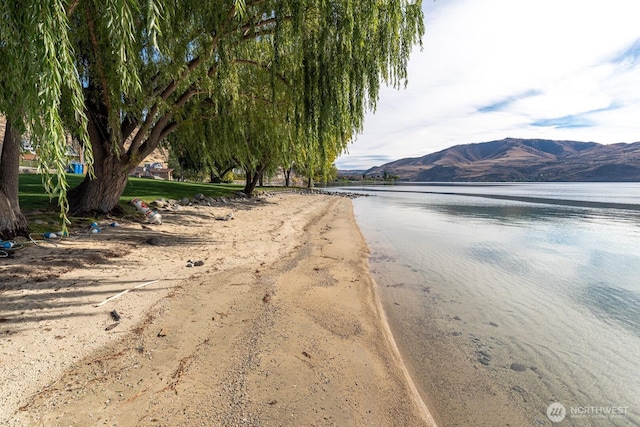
{"points": [[252, 179], [101, 194], [12, 221], [287, 176]]}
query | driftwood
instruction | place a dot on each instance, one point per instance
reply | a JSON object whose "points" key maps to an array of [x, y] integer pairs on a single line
{"points": [[124, 292]]}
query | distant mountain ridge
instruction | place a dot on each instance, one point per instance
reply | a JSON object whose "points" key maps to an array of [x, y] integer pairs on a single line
{"points": [[513, 159]]}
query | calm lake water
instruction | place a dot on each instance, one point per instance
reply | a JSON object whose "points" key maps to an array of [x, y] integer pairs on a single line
{"points": [[505, 299]]}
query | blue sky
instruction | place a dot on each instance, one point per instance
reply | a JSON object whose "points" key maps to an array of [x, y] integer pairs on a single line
{"points": [[492, 69]]}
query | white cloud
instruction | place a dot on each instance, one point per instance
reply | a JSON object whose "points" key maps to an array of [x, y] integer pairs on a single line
{"points": [[492, 69]]}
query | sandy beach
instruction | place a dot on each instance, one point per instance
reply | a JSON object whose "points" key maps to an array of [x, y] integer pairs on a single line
{"points": [[246, 312]]}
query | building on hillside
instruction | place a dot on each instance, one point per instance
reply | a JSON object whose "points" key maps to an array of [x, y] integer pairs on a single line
{"points": [[156, 170]]}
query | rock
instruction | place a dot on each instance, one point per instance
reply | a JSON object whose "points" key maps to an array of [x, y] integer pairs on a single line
{"points": [[159, 203], [456, 318], [111, 326], [153, 241], [185, 201], [484, 358], [227, 217], [494, 324], [198, 263], [199, 197], [518, 367]]}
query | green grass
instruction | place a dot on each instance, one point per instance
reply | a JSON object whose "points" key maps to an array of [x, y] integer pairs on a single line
{"points": [[34, 198], [43, 213], [152, 189]]}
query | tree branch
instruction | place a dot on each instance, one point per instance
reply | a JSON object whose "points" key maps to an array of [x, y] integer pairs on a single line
{"points": [[128, 126], [170, 89], [168, 129], [246, 28], [72, 8]]}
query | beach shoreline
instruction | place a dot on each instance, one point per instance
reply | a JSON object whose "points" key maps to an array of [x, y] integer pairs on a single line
{"points": [[280, 325]]}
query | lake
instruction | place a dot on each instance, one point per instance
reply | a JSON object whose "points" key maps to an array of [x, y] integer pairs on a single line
{"points": [[512, 304]]}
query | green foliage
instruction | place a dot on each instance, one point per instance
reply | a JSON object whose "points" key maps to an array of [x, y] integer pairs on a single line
{"points": [[262, 83], [299, 89], [38, 73], [386, 176], [228, 177]]}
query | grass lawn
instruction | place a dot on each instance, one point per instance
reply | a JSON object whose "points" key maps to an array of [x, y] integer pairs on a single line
{"points": [[41, 212], [33, 196]]}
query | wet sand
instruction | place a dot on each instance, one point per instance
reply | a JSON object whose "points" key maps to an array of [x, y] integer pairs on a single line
{"points": [[280, 325]]}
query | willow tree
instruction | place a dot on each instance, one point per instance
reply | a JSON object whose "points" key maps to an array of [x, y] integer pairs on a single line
{"points": [[37, 72], [334, 56], [315, 161], [194, 145], [263, 139], [255, 125]]}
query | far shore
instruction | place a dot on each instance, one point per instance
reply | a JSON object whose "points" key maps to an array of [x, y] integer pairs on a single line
{"points": [[250, 312]]}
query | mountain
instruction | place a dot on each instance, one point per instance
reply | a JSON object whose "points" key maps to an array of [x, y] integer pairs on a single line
{"points": [[514, 159]]}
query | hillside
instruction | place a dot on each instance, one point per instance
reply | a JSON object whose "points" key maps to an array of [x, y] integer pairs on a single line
{"points": [[513, 159]]}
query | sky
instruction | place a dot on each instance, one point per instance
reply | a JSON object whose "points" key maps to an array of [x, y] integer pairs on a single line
{"points": [[493, 69]]}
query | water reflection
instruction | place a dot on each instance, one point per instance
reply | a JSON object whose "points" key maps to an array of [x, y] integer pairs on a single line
{"points": [[505, 214], [499, 257], [509, 212], [612, 305]]}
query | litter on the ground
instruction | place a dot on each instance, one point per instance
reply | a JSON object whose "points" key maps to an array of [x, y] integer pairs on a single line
{"points": [[152, 216]]}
